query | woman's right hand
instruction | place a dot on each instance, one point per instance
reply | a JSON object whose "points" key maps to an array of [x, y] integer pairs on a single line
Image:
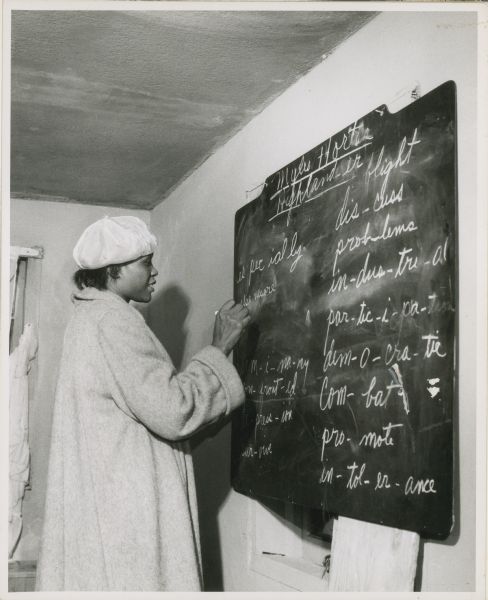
{"points": [[230, 322]]}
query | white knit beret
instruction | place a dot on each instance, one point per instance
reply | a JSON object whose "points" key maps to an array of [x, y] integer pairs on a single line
{"points": [[112, 241]]}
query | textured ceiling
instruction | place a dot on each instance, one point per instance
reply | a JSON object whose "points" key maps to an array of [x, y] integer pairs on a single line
{"points": [[116, 108]]}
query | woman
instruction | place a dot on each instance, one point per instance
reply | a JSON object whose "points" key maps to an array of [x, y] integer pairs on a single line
{"points": [[121, 512]]}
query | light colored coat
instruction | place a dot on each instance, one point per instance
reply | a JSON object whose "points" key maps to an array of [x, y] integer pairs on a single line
{"points": [[121, 512], [19, 458]]}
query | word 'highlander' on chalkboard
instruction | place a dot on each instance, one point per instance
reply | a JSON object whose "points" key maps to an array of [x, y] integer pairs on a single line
{"points": [[347, 261]]}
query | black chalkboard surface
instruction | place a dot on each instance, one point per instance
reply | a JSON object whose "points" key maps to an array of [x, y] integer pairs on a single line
{"points": [[348, 263]]}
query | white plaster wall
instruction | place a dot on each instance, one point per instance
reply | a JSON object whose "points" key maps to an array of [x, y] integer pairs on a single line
{"points": [[195, 230], [56, 227]]}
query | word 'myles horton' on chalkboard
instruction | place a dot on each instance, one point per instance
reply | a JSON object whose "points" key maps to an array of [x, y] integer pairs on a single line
{"points": [[347, 261]]}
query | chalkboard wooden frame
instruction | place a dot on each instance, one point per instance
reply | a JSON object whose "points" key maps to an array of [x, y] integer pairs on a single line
{"points": [[347, 261]]}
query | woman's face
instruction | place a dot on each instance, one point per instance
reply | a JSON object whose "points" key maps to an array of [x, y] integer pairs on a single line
{"points": [[136, 280]]}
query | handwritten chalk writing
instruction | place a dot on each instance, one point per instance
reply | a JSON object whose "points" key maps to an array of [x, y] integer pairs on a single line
{"points": [[270, 389], [291, 250], [363, 274], [242, 274], [248, 452], [356, 134], [284, 364], [255, 265], [410, 308], [327, 475], [364, 315], [299, 194], [420, 486], [382, 481], [303, 167], [261, 293], [263, 419], [377, 440], [396, 352], [333, 436], [382, 199], [433, 346], [353, 164], [336, 358], [440, 254], [390, 231], [339, 168], [384, 165], [357, 241], [380, 398], [335, 318], [287, 364], [344, 144], [283, 178], [406, 262], [246, 300], [364, 358], [351, 244], [303, 363], [355, 477], [338, 284], [280, 255], [292, 385], [332, 155], [288, 201], [367, 273], [265, 450], [317, 186], [438, 306], [385, 317], [330, 397], [347, 214], [287, 415], [295, 252], [348, 166]]}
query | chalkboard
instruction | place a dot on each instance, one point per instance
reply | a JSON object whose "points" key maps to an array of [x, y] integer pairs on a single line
{"points": [[347, 261]]}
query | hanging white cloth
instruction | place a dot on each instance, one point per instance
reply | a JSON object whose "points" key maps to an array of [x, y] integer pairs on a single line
{"points": [[19, 421], [13, 279]]}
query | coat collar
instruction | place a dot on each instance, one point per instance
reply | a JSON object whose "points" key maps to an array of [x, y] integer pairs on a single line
{"points": [[90, 293]]}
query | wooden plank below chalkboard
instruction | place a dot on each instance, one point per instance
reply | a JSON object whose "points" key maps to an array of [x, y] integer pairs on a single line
{"points": [[372, 558], [347, 261]]}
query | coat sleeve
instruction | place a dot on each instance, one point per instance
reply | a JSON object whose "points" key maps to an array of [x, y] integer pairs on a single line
{"points": [[172, 405]]}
